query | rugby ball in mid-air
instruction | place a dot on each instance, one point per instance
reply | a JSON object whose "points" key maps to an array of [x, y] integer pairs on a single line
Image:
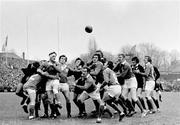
{"points": [[88, 29]]}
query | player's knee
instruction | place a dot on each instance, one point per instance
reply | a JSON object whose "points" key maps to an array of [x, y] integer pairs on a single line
{"points": [[148, 97], [134, 99]]}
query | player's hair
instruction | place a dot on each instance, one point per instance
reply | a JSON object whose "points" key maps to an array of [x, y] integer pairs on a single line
{"points": [[52, 53], [121, 54], [99, 58], [81, 63], [88, 69], [148, 59], [36, 64], [110, 65], [63, 56], [100, 52], [135, 59]]}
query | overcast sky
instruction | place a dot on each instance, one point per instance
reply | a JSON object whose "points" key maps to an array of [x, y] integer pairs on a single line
{"points": [[115, 23]]}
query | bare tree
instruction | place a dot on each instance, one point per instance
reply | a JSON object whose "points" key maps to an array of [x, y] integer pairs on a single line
{"points": [[174, 54]]}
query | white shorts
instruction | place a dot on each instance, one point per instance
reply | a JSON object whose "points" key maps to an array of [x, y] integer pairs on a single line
{"points": [[30, 91], [95, 95], [63, 87], [52, 85], [113, 91], [150, 85], [130, 83], [31, 95]]}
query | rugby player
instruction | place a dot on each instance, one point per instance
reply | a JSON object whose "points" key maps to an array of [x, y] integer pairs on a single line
{"points": [[76, 72], [113, 88], [140, 79], [96, 71], [130, 83], [150, 83], [90, 90], [63, 86]]}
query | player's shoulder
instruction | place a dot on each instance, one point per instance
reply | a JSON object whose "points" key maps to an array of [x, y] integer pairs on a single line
{"points": [[99, 63], [107, 70], [127, 65]]}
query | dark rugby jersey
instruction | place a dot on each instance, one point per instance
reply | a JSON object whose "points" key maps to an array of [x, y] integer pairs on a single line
{"points": [[138, 76], [97, 72], [80, 82], [125, 70]]}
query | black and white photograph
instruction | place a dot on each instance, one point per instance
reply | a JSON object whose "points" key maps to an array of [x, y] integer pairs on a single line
{"points": [[87, 62]]}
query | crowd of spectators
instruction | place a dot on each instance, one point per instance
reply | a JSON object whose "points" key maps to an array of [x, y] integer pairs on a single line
{"points": [[10, 72]]}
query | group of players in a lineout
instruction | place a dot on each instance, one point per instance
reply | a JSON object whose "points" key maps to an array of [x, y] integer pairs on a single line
{"points": [[108, 84]]}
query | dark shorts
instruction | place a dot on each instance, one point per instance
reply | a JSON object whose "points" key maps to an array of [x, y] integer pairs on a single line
{"points": [[140, 85], [77, 90]]}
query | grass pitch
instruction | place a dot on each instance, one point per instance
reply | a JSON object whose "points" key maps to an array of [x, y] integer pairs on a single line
{"points": [[11, 113]]}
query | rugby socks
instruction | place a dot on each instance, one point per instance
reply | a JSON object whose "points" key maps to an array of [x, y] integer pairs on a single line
{"points": [[31, 110], [133, 103], [156, 102], [96, 105], [52, 110], [160, 98], [37, 105], [120, 102], [101, 110], [142, 102], [139, 105], [150, 104], [129, 105], [68, 107], [56, 110], [46, 109], [109, 102], [83, 108], [78, 104]]}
